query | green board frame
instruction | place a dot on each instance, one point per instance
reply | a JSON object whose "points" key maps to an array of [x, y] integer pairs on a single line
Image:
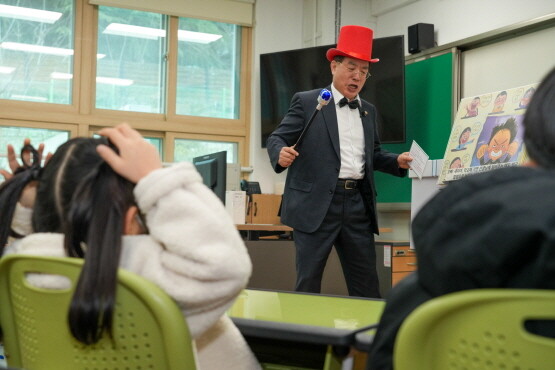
{"points": [[429, 105]]}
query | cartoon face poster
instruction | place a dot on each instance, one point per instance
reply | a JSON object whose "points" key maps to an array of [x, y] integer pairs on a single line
{"points": [[487, 133]]}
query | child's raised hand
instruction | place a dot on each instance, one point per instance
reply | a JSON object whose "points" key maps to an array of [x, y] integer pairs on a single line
{"points": [[26, 158], [136, 158]]}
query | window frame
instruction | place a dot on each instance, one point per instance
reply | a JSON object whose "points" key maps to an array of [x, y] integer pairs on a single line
{"points": [[172, 136], [81, 117], [71, 129]]}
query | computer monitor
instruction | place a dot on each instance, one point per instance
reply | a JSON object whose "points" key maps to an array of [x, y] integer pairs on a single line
{"points": [[213, 169]]}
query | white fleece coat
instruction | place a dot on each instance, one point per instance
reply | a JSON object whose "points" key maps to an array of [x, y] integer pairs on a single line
{"points": [[193, 252]]}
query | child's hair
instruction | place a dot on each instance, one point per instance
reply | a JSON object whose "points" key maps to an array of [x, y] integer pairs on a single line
{"points": [[79, 195], [11, 190], [539, 123]]}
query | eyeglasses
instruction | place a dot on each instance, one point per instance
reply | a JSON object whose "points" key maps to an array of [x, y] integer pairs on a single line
{"points": [[353, 70]]}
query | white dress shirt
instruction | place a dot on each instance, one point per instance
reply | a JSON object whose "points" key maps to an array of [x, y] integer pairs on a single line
{"points": [[351, 139]]}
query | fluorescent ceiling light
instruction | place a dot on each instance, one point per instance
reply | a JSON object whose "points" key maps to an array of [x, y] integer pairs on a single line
{"points": [[27, 97], [198, 37], [155, 33], [6, 70], [61, 76], [100, 80], [36, 48], [114, 81], [29, 14], [134, 31]]}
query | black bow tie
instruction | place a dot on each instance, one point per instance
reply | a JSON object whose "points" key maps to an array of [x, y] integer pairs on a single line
{"points": [[353, 104]]}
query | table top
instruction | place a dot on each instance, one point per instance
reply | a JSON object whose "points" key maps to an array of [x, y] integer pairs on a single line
{"points": [[263, 227], [272, 227], [311, 318], [363, 339]]}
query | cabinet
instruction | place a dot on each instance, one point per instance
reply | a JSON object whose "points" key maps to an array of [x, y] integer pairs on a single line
{"points": [[264, 209], [403, 262], [394, 261]]}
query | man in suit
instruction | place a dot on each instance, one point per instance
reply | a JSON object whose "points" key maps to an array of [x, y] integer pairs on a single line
{"points": [[329, 198]]}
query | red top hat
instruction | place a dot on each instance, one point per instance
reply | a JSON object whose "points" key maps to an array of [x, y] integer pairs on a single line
{"points": [[354, 42]]}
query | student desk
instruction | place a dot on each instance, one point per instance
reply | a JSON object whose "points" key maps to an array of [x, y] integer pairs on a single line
{"points": [[302, 330], [254, 231]]}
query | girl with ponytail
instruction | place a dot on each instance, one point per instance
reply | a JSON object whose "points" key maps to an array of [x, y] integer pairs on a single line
{"points": [[95, 199]]}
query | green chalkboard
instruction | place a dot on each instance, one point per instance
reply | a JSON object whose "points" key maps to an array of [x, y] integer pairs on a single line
{"points": [[428, 86]]}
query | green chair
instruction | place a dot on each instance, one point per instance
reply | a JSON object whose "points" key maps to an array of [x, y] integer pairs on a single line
{"points": [[149, 330], [477, 329]]}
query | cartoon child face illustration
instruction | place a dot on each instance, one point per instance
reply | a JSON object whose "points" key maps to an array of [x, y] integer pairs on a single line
{"points": [[499, 102], [499, 144], [464, 136], [474, 103], [463, 140], [456, 163], [526, 98], [472, 107]]}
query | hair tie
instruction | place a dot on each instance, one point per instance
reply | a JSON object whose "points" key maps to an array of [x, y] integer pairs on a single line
{"points": [[36, 173], [33, 166], [36, 158]]}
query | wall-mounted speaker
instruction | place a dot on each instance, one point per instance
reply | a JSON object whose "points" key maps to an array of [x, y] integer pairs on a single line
{"points": [[421, 37]]}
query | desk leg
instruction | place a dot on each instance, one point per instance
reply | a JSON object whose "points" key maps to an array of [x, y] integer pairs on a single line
{"points": [[276, 354], [332, 361]]}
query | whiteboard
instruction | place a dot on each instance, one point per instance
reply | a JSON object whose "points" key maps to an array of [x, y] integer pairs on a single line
{"points": [[506, 64]]}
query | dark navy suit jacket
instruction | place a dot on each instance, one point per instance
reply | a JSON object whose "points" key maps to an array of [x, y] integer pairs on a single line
{"points": [[312, 178]]}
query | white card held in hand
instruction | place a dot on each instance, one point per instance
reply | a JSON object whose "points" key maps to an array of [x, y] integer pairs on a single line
{"points": [[419, 159]]}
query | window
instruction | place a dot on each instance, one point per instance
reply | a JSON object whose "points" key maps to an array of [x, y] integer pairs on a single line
{"points": [[156, 141], [131, 60], [36, 50], [208, 65], [186, 150], [74, 67], [52, 139]]}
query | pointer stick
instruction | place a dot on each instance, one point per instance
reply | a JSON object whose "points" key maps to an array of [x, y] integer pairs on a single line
{"points": [[323, 99]]}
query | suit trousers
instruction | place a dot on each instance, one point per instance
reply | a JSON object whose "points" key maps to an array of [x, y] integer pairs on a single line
{"points": [[347, 227]]}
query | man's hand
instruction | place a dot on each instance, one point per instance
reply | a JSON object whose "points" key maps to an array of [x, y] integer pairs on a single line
{"points": [[287, 155], [403, 160]]}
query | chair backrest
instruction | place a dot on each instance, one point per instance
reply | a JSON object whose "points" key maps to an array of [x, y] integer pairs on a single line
{"points": [[477, 329], [149, 331]]}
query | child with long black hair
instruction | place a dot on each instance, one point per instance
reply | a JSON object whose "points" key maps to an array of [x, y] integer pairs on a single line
{"points": [[95, 199]]}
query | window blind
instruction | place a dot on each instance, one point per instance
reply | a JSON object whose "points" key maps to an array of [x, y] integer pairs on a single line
{"points": [[227, 11]]}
